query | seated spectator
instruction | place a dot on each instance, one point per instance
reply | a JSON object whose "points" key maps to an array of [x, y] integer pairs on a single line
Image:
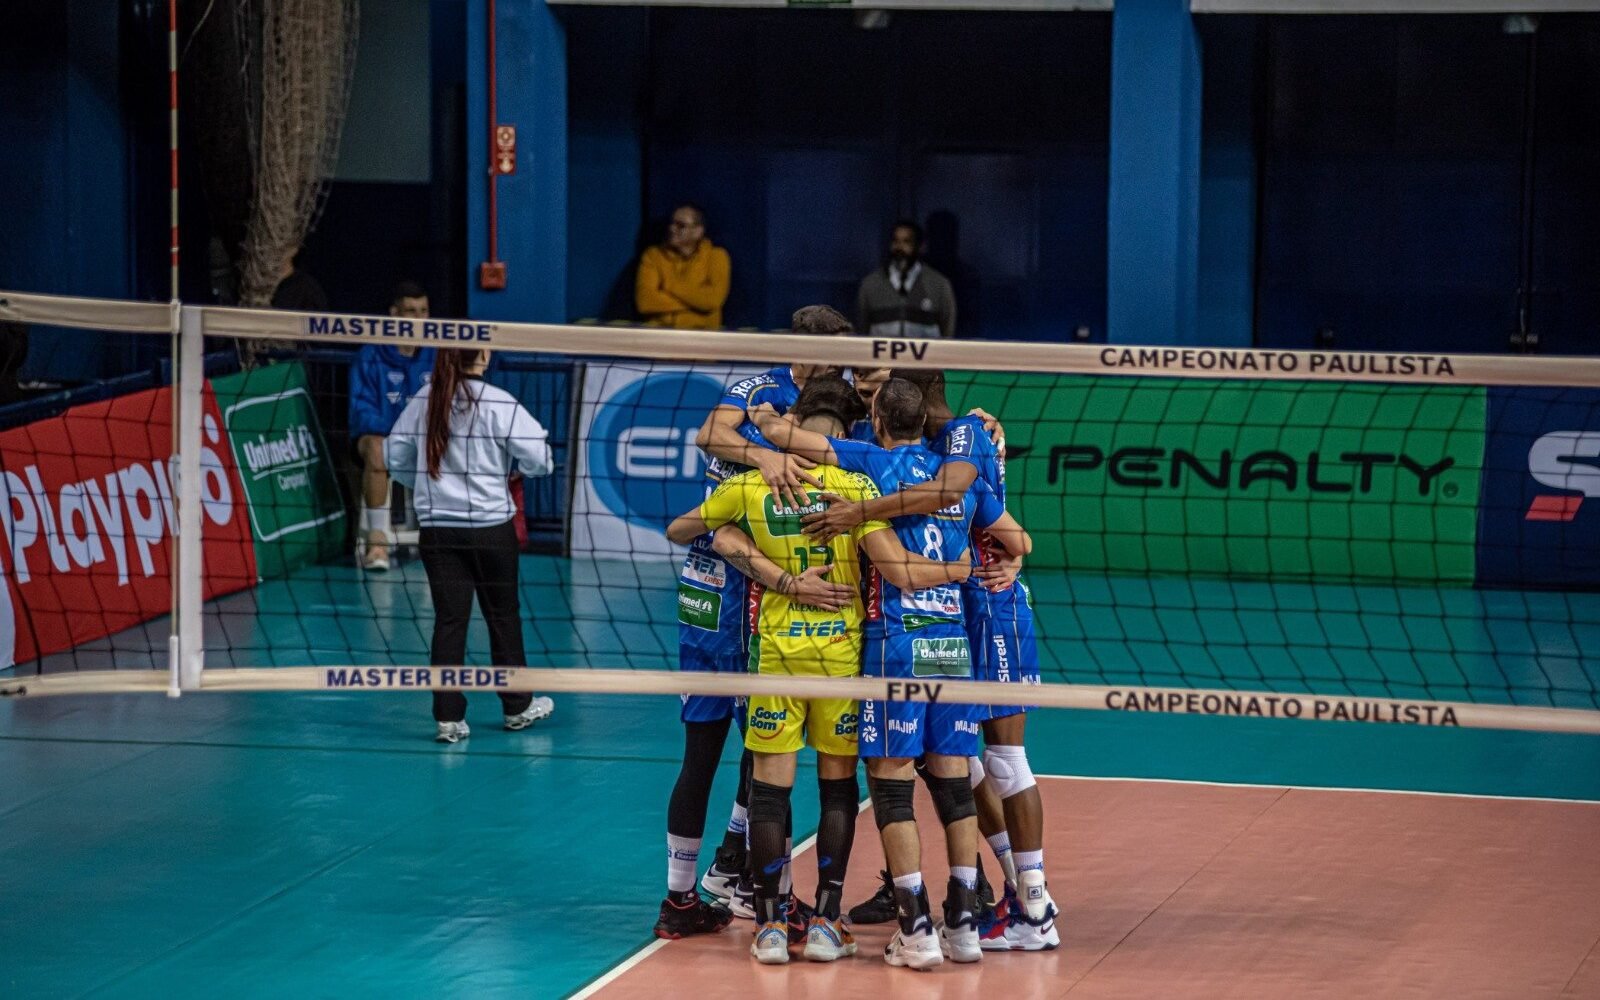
{"points": [[905, 297], [382, 379], [683, 283]]}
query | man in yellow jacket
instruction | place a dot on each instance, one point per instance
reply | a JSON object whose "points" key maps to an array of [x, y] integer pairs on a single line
{"points": [[684, 282]]}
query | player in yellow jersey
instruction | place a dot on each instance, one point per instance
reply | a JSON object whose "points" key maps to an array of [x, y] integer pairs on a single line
{"points": [[800, 639]]}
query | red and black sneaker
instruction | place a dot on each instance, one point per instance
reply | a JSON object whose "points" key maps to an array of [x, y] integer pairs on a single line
{"points": [[685, 913], [800, 916]]}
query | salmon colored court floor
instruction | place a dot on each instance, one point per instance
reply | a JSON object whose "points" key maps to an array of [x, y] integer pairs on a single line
{"points": [[321, 845]]}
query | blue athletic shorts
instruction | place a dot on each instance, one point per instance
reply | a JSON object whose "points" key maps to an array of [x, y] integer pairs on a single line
{"points": [[913, 728], [1004, 649], [711, 708]]}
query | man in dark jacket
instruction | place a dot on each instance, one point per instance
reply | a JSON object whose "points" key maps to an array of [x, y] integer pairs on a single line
{"points": [[905, 297]]}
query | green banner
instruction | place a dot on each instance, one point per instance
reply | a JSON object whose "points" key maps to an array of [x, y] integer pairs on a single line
{"points": [[1285, 480], [296, 511]]}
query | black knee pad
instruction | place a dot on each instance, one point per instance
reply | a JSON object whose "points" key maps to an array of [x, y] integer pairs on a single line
{"points": [[891, 800], [768, 803], [841, 794], [952, 798]]}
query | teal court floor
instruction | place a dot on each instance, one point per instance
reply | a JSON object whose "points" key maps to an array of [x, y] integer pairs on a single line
{"points": [[321, 845]]}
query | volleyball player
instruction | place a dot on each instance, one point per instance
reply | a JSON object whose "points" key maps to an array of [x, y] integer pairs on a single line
{"points": [[795, 639], [1000, 626], [712, 636], [916, 632], [457, 441]]}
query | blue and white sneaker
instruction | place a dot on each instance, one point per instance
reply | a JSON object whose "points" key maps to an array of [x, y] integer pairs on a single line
{"points": [[771, 944], [828, 940]]}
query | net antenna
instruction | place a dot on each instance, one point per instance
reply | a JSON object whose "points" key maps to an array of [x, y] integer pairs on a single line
{"points": [[306, 55]]}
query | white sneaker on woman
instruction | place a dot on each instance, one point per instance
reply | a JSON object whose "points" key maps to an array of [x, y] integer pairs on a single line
{"points": [[540, 708], [452, 732]]}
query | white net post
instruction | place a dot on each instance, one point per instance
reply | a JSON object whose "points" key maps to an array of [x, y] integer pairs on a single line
{"points": [[191, 490]]}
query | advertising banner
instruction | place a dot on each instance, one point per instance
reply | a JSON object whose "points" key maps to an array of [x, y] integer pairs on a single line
{"points": [[637, 464], [89, 519], [295, 509], [1539, 525], [1287, 480]]}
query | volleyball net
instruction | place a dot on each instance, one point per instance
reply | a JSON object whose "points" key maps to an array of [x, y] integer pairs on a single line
{"points": [[1317, 535]]}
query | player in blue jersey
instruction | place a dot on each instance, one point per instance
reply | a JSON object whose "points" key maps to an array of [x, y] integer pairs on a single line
{"points": [[916, 634], [1001, 632], [867, 382], [713, 636]]}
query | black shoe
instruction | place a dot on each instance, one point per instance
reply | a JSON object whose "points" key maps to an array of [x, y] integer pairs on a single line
{"points": [[986, 899], [879, 909], [800, 915], [723, 875], [685, 913]]}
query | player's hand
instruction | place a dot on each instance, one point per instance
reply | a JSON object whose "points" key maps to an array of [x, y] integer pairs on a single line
{"points": [[999, 575], [839, 518], [991, 425], [786, 476], [810, 588], [762, 414]]}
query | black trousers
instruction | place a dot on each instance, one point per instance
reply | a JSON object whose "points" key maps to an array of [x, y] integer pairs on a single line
{"points": [[461, 562]]}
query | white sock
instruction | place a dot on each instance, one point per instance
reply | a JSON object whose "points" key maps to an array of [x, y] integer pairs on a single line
{"points": [[375, 519], [786, 879], [683, 857], [967, 875], [739, 822], [912, 883], [1029, 860], [1000, 844]]}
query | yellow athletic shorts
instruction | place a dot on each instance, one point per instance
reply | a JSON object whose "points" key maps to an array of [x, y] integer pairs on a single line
{"points": [[784, 725]]}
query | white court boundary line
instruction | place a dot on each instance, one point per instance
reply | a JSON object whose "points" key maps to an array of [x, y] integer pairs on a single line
{"points": [[1324, 788], [617, 971]]}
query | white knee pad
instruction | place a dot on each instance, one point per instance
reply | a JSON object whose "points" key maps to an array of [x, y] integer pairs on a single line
{"points": [[1008, 770], [975, 770]]}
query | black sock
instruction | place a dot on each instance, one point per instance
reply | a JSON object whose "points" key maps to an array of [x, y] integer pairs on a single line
{"points": [[836, 833], [732, 840], [769, 810]]}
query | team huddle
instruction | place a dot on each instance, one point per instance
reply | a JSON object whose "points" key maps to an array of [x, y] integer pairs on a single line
{"points": [[857, 527]]}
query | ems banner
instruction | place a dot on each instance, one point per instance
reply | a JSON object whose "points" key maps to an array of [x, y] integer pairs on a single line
{"points": [[89, 521], [295, 508], [638, 466]]}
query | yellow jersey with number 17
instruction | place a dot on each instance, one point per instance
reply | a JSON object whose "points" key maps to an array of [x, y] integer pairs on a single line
{"points": [[789, 637]]}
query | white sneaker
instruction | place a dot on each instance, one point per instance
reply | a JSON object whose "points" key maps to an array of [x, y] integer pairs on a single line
{"points": [[828, 940], [452, 732], [771, 944], [374, 555], [539, 709], [1032, 926], [960, 944], [918, 950]]}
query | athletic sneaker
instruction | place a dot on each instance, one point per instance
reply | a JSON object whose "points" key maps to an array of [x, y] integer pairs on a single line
{"points": [[1032, 923], [917, 950], [992, 925], [986, 900], [828, 940], [877, 910], [771, 944], [958, 933], [742, 902], [800, 915], [373, 554], [722, 878], [539, 709], [685, 913], [452, 732]]}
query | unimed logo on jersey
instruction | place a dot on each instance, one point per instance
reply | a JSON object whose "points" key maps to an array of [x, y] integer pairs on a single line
{"points": [[643, 463]]}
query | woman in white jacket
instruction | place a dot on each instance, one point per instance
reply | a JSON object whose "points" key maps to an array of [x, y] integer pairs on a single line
{"points": [[458, 441]]}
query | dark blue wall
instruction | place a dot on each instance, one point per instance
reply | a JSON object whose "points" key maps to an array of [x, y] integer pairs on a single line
{"points": [[1392, 183]]}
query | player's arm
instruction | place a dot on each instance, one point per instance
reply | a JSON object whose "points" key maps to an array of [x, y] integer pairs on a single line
{"points": [[908, 570], [740, 550], [948, 486], [686, 527], [788, 436], [784, 474]]}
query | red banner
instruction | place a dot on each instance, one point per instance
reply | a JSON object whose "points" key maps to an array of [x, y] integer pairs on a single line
{"points": [[86, 504]]}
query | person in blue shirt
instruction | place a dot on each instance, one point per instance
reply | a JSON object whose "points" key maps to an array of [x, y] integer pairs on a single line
{"points": [[382, 379], [867, 382], [1000, 627], [916, 634], [713, 635]]}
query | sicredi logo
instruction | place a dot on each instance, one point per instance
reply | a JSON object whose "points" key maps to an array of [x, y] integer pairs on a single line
{"points": [[1564, 460], [644, 465]]}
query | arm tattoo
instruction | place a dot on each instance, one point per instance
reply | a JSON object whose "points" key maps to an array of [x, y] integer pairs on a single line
{"points": [[785, 582], [742, 563]]}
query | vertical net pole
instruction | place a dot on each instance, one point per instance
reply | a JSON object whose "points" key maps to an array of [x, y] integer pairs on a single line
{"points": [[191, 482], [173, 645]]}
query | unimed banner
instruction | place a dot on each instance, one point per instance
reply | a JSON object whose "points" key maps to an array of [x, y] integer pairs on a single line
{"points": [[89, 519], [292, 492], [1258, 479]]}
